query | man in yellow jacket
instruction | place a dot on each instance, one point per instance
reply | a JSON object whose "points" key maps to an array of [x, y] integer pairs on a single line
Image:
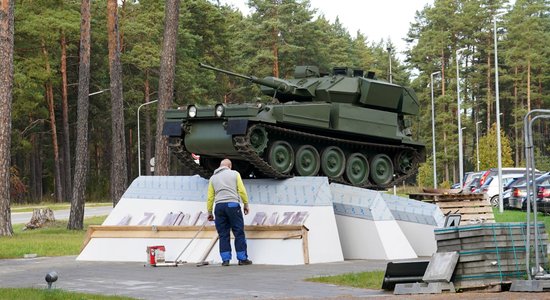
{"points": [[226, 190]]}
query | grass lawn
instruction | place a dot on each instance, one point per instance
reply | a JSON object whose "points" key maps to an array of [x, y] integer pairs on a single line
{"points": [[53, 294], [366, 280], [54, 240], [16, 208], [373, 280]]}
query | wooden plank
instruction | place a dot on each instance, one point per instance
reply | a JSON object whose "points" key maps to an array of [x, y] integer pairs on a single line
{"points": [[283, 232], [467, 210], [468, 217], [463, 204], [446, 197], [305, 245]]}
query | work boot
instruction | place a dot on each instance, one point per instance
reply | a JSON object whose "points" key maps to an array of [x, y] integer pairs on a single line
{"points": [[225, 263], [245, 262]]}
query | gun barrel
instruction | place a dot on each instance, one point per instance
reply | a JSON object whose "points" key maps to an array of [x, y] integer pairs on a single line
{"points": [[225, 72], [280, 86]]}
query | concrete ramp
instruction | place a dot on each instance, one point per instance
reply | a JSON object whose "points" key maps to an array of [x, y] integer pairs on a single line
{"points": [[149, 200], [367, 227]]}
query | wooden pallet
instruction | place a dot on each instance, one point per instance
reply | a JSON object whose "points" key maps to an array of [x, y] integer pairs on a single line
{"points": [[473, 208]]}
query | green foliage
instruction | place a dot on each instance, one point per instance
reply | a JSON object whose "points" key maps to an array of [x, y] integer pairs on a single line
{"points": [[54, 294], [425, 176], [488, 150], [542, 162]]}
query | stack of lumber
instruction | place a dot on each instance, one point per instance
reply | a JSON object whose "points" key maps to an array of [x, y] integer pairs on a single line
{"points": [[473, 208], [490, 254]]}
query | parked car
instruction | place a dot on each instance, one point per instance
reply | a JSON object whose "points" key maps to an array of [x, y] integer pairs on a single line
{"points": [[491, 188], [469, 180], [519, 193], [507, 193], [543, 199], [494, 171], [473, 185]]}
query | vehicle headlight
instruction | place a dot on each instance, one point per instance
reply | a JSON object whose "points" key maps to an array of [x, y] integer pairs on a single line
{"points": [[220, 109], [191, 111]]}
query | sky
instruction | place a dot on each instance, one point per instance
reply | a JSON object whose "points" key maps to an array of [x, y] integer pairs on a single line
{"points": [[377, 19]]}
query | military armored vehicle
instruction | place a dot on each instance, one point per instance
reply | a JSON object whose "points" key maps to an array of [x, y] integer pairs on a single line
{"points": [[346, 125]]}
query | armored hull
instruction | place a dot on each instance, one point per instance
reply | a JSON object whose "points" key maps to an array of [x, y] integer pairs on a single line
{"points": [[351, 129]]}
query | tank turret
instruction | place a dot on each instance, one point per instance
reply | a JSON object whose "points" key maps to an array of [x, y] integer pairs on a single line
{"points": [[349, 127], [344, 85]]}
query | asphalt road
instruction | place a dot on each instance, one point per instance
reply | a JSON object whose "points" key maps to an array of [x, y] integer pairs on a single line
{"points": [[24, 217]]}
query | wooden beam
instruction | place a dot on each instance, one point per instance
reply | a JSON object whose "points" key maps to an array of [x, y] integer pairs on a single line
{"points": [[283, 232]]}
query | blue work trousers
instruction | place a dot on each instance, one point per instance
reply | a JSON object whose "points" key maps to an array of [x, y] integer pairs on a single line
{"points": [[228, 216]]}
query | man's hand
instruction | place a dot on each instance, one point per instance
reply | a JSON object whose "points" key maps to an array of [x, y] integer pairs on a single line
{"points": [[210, 217], [246, 209]]}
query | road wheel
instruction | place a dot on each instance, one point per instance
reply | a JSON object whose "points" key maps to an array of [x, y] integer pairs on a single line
{"points": [[333, 162], [308, 161], [281, 156], [381, 169], [357, 169]]}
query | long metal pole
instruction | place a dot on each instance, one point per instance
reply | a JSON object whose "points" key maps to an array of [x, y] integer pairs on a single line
{"points": [[535, 190], [433, 128], [477, 144], [138, 135], [458, 113], [530, 183], [389, 58], [497, 103]]}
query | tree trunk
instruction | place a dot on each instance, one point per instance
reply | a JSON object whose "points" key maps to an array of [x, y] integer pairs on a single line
{"points": [[148, 137], [528, 85], [489, 93], [275, 53], [76, 219], [39, 218], [65, 110], [442, 73], [6, 86], [119, 171], [53, 126], [516, 134], [166, 82], [36, 165]]}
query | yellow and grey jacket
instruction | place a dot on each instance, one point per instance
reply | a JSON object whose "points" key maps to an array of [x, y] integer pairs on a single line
{"points": [[225, 185]]}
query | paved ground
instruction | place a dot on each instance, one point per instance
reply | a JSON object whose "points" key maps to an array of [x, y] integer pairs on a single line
{"points": [[186, 281], [208, 282], [24, 217]]}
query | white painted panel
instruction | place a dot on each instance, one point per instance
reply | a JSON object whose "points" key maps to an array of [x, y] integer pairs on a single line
{"points": [[366, 239], [420, 236], [395, 243]]}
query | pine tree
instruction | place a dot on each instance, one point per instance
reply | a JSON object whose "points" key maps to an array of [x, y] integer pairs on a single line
{"points": [[6, 86]]}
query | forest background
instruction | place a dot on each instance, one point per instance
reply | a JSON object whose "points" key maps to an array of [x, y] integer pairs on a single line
{"points": [[270, 41]]}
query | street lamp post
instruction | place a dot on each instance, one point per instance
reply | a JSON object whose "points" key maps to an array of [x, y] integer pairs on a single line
{"points": [[458, 113], [497, 103], [477, 144], [389, 58], [433, 127], [138, 135]]}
